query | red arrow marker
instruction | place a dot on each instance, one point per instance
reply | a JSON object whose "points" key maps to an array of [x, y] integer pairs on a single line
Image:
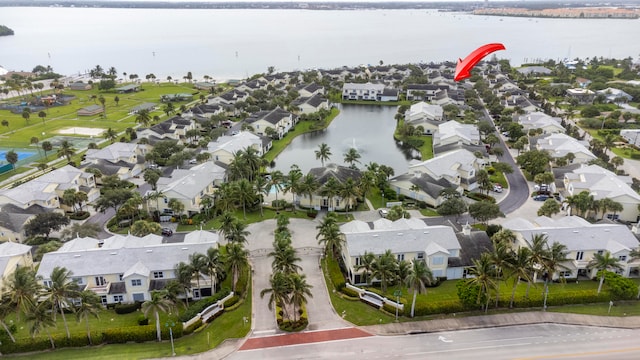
{"points": [[464, 66]]}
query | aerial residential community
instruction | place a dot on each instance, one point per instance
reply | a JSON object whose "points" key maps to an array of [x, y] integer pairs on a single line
{"points": [[156, 212]]}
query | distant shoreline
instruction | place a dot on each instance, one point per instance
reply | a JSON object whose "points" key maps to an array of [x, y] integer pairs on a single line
{"points": [[5, 31], [564, 13]]}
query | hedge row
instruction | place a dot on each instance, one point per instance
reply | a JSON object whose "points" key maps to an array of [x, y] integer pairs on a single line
{"points": [[335, 274], [127, 308], [200, 305], [191, 328]]}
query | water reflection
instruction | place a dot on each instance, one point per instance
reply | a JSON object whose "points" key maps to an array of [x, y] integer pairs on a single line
{"points": [[367, 128]]}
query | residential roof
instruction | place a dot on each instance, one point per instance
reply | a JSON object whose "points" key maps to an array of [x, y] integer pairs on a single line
{"points": [[235, 143], [13, 217], [339, 172], [466, 133], [472, 247], [113, 152], [271, 116], [201, 236], [9, 249], [429, 110], [602, 183], [448, 164], [425, 182], [365, 86], [559, 145], [144, 106], [128, 87], [534, 70], [539, 120], [432, 239], [190, 182]]}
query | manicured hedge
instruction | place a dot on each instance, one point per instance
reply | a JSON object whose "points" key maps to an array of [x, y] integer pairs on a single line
{"points": [[191, 328], [438, 307], [126, 334], [200, 305], [232, 301], [42, 343], [127, 308], [337, 278], [350, 292]]}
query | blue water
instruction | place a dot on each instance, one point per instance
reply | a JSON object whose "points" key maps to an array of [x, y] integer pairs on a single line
{"points": [[22, 155]]}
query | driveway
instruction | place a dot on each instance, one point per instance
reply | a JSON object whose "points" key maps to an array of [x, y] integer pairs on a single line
{"points": [[320, 311]]}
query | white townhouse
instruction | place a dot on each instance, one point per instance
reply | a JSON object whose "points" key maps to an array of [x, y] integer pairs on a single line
{"points": [[453, 132], [173, 129], [309, 90], [225, 147], [278, 119], [540, 120], [13, 219], [408, 239], [123, 269], [47, 190], [582, 240], [559, 145], [309, 105], [602, 183], [632, 136], [126, 160], [426, 115], [423, 92], [458, 167], [362, 91], [189, 186]]}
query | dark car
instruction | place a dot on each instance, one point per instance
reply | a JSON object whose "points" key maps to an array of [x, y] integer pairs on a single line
{"points": [[166, 232], [541, 197]]}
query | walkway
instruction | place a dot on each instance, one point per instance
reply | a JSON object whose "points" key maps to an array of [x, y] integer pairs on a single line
{"points": [[303, 338]]}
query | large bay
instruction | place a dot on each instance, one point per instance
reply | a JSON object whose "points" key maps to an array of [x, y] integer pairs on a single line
{"points": [[238, 43]]}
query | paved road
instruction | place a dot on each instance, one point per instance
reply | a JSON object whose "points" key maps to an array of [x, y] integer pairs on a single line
{"points": [[543, 341]]}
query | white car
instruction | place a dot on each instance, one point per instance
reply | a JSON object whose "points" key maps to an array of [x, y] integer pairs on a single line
{"points": [[383, 212]]}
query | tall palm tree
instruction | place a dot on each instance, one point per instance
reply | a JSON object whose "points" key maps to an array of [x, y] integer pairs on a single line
{"points": [[66, 150], [285, 258], [348, 191], [293, 181], [236, 259], [227, 221], [539, 254], [244, 193], [330, 236], [90, 305], [238, 232], [157, 304], [276, 182], [557, 256], [21, 289], [418, 278], [41, 318], [60, 291], [603, 262], [384, 269], [308, 186], [520, 268], [323, 153], [366, 264], [263, 188], [483, 276], [352, 156], [500, 257], [214, 267], [46, 146], [143, 117], [330, 189], [300, 291], [111, 135], [184, 274], [198, 263], [279, 291]]}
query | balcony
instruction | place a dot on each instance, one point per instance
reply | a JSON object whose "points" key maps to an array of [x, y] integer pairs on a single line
{"points": [[100, 290]]}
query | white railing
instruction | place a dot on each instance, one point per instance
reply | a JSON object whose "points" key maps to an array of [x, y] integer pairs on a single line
{"points": [[374, 298], [208, 312]]}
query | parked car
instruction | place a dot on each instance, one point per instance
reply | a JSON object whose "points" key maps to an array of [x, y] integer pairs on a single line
{"points": [[166, 232], [541, 197], [383, 212], [193, 161], [497, 188]]}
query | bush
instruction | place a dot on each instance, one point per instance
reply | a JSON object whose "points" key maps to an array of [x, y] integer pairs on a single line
{"points": [[232, 301], [143, 320], [127, 334], [200, 305], [337, 278], [80, 215], [127, 308], [42, 343], [438, 307], [621, 288], [191, 328], [350, 292]]}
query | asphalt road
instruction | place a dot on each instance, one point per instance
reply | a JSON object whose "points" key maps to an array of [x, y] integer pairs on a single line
{"points": [[547, 341]]}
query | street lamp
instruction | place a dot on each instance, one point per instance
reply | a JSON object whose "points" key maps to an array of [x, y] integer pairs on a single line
{"points": [[170, 325], [397, 294]]}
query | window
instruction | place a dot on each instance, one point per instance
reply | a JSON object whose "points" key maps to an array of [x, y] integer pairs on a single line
{"points": [[400, 257], [600, 252], [136, 282], [103, 299], [118, 298], [579, 255], [158, 274], [437, 260], [166, 201], [565, 273], [138, 297], [420, 256], [613, 216], [78, 280], [48, 283], [622, 257], [357, 261], [100, 281], [120, 277]]}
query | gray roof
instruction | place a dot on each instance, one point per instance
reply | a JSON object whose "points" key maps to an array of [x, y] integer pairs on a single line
{"points": [[339, 172], [13, 217], [426, 183], [272, 116], [473, 245], [431, 239]]}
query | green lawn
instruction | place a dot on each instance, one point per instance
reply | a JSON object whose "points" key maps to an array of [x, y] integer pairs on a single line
{"points": [[498, 177], [627, 153], [623, 308]]}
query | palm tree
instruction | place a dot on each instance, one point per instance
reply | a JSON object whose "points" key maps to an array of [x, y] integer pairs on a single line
{"points": [[352, 156], [41, 317], [157, 304], [300, 290], [89, 306], [308, 186], [603, 262], [42, 115], [244, 193], [279, 290], [539, 255], [275, 182], [330, 189], [21, 290], [500, 257], [238, 232], [237, 260], [284, 257], [323, 153], [227, 221], [143, 117], [60, 291], [293, 182], [520, 268], [214, 267], [198, 263], [262, 188], [66, 150], [418, 278], [384, 269], [46, 146], [557, 255], [348, 191], [483, 274], [184, 274], [330, 236], [366, 264], [177, 206]]}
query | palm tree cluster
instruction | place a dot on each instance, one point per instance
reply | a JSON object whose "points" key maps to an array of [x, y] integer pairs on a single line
{"points": [[525, 263], [586, 206], [211, 264], [40, 305], [288, 286]]}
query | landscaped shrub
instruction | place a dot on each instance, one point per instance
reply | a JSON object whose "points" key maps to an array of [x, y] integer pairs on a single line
{"points": [[126, 334], [434, 307], [350, 292], [621, 288], [143, 320], [279, 204], [337, 278], [243, 281], [232, 301], [198, 306], [80, 215], [127, 308], [191, 328]]}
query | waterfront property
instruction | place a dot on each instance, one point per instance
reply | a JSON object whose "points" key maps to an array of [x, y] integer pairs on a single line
{"points": [[278, 119], [327, 198], [368, 91], [426, 115], [225, 147]]}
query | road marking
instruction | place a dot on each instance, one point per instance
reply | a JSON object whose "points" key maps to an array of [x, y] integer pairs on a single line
{"points": [[443, 339], [465, 349], [580, 354]]}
